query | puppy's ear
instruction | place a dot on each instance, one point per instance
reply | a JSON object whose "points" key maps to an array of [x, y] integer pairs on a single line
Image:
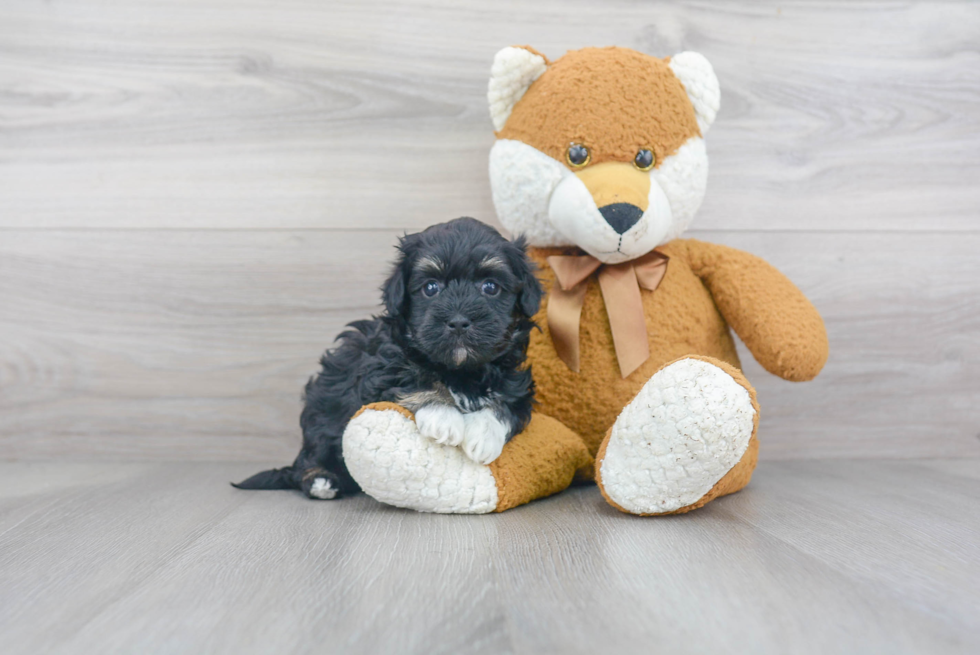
{"points": [[394, 292], [529, 296]]}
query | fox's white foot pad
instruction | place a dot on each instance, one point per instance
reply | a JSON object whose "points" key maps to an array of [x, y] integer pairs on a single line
{"points": [[689, 425], [394, 464]]}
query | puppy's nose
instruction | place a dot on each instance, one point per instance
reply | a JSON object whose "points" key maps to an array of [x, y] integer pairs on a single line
{"points": [[458, 324], [621, 215]]}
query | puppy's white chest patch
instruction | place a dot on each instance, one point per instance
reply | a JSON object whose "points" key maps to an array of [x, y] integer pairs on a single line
{"points": [[467, 405]]}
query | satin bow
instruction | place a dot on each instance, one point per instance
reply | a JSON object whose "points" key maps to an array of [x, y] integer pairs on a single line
{"points": [[620, 285]]}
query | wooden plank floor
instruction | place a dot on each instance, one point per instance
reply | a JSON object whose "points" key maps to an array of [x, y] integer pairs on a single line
{"points": [[815, 556]]}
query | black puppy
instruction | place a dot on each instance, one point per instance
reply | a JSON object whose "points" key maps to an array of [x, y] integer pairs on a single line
{"points": [[450, 347]]}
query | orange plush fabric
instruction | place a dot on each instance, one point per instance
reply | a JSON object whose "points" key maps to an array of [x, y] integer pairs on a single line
{"points": [[681, 318], [568, 105], [686, 315], [774, 319], [382, 406], [539, 462]]}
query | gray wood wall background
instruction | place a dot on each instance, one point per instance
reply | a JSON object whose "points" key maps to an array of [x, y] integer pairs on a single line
{"points": [[195, 195]]}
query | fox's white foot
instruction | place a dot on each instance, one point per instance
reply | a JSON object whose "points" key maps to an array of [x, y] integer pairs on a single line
{"points": [[485, 436], [394, 463], [685, 430], [441, 423]]}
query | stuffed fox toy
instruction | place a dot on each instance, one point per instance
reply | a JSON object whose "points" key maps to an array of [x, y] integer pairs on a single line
{"points": [[600, 162]]}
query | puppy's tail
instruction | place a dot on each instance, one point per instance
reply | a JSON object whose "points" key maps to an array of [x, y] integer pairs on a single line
{"points": [[284, 478]]}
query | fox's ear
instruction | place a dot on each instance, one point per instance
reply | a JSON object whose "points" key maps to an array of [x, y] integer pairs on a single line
{"points": [[514, 69], [701, 84]]}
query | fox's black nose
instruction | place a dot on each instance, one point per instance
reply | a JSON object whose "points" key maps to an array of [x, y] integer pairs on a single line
{"points": [[621, 216], [458, 324]]}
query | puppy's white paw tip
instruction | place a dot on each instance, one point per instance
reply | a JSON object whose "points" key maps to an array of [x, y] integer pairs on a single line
{"points": [[485, 436], [322, 489], [441, 423]]}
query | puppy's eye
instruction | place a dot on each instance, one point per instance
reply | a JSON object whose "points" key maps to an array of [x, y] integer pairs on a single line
{"points": [[431, 288], [577, 155], [491, 288], [644, 160]]}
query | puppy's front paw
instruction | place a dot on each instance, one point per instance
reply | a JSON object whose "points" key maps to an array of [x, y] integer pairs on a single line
{"points": [[441, 423], [485, 436]]}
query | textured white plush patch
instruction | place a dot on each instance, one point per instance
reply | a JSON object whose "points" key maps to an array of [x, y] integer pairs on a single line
{"points": [[396, 465], [683, 177], [514, 69], [688, 426], [322, 489], [441, 423], [699, 80], [485, 436], [522, 179]]}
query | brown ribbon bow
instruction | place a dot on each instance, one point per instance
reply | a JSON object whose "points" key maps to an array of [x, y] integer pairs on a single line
{"points": [[620, 285]]}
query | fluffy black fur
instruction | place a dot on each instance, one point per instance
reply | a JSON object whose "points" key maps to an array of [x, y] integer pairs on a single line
{"points": [[458, 308]]}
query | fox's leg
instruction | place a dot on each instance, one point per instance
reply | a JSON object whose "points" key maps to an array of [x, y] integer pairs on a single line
{"points": [[687, 437], [395, 464]]}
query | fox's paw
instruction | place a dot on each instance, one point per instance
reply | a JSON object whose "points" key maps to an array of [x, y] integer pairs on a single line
{"points": [[686, 438], [388, 456]]}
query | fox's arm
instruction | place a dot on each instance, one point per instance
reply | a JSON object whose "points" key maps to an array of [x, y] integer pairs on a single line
{"points": [[781, 328]]}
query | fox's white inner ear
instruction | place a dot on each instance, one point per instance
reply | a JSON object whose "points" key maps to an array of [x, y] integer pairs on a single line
{"points": [[699, 80], [514, 69]]}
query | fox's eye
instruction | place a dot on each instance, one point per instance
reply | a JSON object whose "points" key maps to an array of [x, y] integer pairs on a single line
{"points": [[578, 155], [491, 288], [644, 160], [431, 288]]}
